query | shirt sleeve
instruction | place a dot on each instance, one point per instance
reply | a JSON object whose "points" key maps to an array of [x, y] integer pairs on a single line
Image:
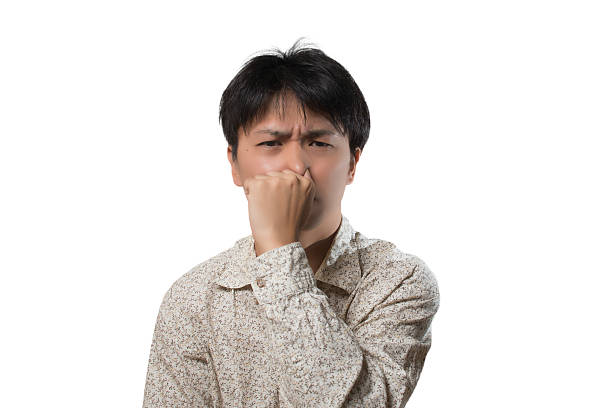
{"points": [[179, 372], [323, 362]]}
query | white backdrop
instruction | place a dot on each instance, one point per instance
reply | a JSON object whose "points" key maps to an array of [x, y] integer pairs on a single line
{"points": [[488, 157]]}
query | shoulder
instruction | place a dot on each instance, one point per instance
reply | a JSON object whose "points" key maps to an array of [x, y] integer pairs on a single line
{"points": [[189, 290], [385, 263]]}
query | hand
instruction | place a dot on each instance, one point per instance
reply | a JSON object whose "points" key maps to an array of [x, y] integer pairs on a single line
{"points": [[279, 203]]}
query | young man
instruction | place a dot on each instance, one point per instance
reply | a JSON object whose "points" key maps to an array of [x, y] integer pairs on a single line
{"points": [[305, 311]]}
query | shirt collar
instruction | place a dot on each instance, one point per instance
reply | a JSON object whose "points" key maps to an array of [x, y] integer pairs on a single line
{"points": [[340, 267]]}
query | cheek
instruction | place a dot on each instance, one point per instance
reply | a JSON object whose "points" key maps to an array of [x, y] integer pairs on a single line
{"points": [[259, 167], [338, 171], [253, 164], [330, 178]]}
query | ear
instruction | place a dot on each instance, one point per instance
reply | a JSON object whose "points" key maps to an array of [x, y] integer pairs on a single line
{"points": [[353, 166], [234, 165]]}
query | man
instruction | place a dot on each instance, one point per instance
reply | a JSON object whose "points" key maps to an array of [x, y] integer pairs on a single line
{"points": [[305, 311]]}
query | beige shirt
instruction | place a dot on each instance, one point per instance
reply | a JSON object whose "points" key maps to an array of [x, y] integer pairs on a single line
{"points": [[240, 330]]}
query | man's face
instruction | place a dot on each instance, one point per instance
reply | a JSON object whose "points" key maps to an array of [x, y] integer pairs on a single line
{"points": [[326, 154]]}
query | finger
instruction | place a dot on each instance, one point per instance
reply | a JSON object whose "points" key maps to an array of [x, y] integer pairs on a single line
{"points": [[288, 173], [276, 173]]}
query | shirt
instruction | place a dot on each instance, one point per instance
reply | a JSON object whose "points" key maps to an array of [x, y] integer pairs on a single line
{"points": [[240, 330]]}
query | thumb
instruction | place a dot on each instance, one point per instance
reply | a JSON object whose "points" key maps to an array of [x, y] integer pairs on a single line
{"points": [[309, 177], [307, 174]]}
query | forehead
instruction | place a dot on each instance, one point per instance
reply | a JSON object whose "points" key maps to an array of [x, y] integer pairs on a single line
{"points": [[284, 112]]}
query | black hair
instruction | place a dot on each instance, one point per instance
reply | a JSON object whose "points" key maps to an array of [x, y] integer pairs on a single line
{"points": [[317, 81]]}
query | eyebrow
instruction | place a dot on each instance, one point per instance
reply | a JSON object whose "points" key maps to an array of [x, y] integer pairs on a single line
{"points": [[311, 133]]}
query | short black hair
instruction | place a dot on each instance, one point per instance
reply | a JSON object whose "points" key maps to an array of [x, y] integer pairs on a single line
{"points": [[317, 81]]}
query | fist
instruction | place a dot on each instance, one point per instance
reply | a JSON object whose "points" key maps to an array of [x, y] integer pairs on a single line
{"points": [[279, 203]]}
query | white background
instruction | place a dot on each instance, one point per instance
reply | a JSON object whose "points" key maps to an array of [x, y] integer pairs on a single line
{"points": [[488, 157]]}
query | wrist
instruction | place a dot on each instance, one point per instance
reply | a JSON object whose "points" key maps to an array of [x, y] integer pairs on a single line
{"points": [[265, 246]]}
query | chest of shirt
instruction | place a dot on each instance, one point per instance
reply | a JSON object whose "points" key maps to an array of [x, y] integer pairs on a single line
{"points": [[235, 319], [240, 346]]}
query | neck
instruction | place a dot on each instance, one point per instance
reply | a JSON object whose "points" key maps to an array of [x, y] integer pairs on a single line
{"points": [[317, 250], [318, 241]]}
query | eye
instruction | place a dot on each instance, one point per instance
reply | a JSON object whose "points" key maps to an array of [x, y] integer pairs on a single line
{"points": [[269, 141], [321, 144]]}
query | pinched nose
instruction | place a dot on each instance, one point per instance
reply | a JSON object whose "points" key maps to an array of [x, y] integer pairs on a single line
{"points": [[308, 176]]}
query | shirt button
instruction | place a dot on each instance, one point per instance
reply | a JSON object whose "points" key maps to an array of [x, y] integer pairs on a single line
{"points": [[260, 282]]}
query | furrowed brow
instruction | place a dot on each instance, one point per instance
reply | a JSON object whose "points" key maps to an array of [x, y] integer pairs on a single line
{"points": [[311, 133]]}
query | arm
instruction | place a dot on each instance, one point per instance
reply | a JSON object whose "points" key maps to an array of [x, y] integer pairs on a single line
{"points": [[323, 362], [179, 372]]}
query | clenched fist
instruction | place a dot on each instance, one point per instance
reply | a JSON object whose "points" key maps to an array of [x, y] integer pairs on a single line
{"points": [[279, 204]]}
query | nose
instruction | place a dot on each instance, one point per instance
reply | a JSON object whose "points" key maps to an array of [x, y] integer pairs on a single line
{"points": [[295, 158]]}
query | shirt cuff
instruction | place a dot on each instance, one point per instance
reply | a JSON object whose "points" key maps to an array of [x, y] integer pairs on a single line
{"points": [[281, 272]]}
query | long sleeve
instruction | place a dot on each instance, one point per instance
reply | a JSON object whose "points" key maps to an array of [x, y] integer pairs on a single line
{"points": [[179, 372], [323, 362]]}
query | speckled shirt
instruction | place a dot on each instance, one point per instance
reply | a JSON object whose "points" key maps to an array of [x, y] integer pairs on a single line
{"points": [[240, 330]]}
